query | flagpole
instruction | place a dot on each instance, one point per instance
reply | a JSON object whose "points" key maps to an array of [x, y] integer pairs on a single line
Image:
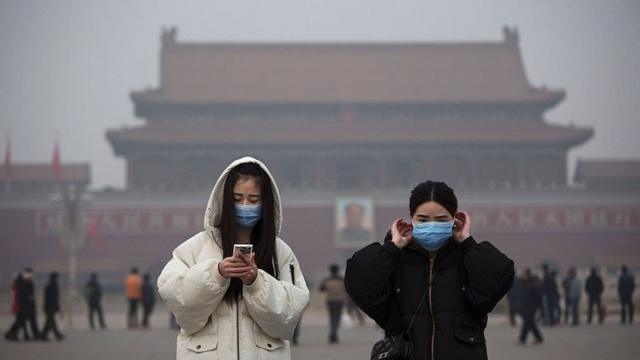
{"points": [[7, 168]]}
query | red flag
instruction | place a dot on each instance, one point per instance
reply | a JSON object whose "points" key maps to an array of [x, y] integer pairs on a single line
{"points": [[55, 162], [7, 161], [94, 231]]}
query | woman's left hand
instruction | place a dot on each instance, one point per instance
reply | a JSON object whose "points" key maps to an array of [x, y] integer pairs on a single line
{"points": [[250, 276], [462, 226]]}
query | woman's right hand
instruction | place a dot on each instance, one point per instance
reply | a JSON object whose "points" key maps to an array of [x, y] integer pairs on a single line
{"points": [[401, 233], [232, 266]]}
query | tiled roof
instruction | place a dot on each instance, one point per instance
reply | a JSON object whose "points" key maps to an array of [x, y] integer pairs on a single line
{"points": [[428, 132], [44, 172], [607, 169], [482, 72]]}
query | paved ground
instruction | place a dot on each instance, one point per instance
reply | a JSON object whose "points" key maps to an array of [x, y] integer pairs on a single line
{"points": [[608, 341]]}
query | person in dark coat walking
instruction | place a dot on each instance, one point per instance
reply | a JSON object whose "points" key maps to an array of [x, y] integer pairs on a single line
{"points": [[626, 287], [19, 323], [93, 296], [51, 307], [148, 300], [566, 290], [435, 269], [513, 299], [530, 304], [594, 288], [550, 297], [27, 301]]}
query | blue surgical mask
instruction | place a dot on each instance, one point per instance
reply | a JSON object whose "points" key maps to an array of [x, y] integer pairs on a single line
{"points": [[248, 215], [431, 235]]}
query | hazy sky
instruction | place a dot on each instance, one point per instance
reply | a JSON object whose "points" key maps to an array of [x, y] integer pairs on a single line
{"points": [[68, 66]]}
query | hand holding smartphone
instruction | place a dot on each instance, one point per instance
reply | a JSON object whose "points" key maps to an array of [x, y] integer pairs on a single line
{"points": [[244, 249]]}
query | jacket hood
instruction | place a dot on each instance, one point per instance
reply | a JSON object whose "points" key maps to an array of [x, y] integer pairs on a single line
{"points": [[214, 207]]}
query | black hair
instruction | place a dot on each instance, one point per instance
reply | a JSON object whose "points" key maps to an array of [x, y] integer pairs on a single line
{"points": [[263, 234], [134, 270], [436, 191]]}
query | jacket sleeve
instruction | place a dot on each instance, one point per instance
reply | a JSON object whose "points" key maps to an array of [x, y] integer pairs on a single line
{"points": [[277, 305], [489, 272], [368, 278], [192, 293]]}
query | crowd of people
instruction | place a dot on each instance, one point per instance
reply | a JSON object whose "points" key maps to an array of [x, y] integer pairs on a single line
{"points": [[533, 298], [139, 291], [23, 308], [236, 289]]}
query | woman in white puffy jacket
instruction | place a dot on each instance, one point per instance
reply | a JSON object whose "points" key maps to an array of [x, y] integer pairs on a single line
{"points": [[236, 307]]}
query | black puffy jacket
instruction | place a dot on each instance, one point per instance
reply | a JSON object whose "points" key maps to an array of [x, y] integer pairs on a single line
{"points": [[468, 280]]}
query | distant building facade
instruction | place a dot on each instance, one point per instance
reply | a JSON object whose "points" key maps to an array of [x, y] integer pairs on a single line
{"points": [[347, 116], [22, 179], [611, 175], [344, 121]]}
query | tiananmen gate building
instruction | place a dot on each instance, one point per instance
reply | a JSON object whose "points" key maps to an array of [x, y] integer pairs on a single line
{"points": [[336, 121]]}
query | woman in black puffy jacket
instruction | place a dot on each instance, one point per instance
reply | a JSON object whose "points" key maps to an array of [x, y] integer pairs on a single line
{"points": [[433, 268]]}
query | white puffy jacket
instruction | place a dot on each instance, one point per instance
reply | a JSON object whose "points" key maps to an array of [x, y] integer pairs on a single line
{"points": [[260, 323]]}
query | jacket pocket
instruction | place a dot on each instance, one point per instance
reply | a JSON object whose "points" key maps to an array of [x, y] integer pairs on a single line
{"points": [[203, 343], [470, 344], [264, 341], [469, 335]]}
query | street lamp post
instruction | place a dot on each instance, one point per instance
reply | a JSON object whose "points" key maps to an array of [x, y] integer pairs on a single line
{"points": [[72, 233]]}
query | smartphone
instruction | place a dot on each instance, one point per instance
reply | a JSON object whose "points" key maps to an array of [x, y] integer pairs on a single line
{"points": [[242, 249]]}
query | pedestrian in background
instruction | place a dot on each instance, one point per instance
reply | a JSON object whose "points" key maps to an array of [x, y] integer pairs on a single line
{"points": [[626, 287], [51, 308], [529, 306], [594, 288], [27, 300], [18, 324], [133, 287], [148, 300], [513, 299], [566, 282], [93, 296], [574, 294], [556, 312], [550, 296], [333, 286]]}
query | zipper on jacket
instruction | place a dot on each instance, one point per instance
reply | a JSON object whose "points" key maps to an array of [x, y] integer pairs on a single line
{"points": [[238, 329], [433, 319]]}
